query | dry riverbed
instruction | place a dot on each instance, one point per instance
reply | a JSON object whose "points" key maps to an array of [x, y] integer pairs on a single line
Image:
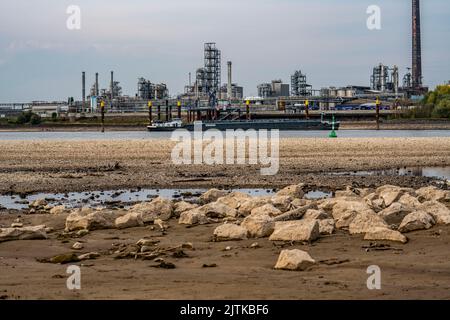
{"points": [[178, 258], [64, 166]]}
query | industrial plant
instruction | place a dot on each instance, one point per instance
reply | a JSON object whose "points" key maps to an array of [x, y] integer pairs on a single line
{"points": [[207, 91]]}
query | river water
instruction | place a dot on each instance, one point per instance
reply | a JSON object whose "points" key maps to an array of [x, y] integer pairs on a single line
{"points": [[142, 135]]}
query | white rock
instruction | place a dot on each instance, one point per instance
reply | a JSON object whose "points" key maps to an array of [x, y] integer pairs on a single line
{"points": [[246, 207], [438, 211], [25, 233], [58, 209], [391, 194], [193, 217], [158, 208], [409, 201], [366, 222], [38, 204], [299, 230], [77, 246], [129, 220], [379, 234], [217, 210], [326, 226], [432, 193], [16, 225], [345, 211], [230, 232], [316, 214], [183, 206], [395, 213], [267, 209], [258, 225], [296, 260], [418, 220], [212, 195], [91, 219], [282, 203], [234, 200], [294, 191]]}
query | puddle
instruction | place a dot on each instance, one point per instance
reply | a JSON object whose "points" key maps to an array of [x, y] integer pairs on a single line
{"points": [[315, 194], [124, 198], [429, 172]]}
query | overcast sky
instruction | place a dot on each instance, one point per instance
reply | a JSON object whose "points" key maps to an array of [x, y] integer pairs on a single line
{"points": [[162, 40]]}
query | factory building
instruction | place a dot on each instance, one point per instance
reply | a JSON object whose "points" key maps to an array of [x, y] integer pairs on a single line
{"points": [[237, 92], [299, 86], [385, 79], [274, 89], [151, 91]]}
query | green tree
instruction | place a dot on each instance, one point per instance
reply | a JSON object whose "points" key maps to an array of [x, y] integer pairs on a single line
{"points": [[442, 110]]}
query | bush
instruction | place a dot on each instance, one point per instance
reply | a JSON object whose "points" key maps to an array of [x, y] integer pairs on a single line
{"points": [[442, 110], [28, 117]]}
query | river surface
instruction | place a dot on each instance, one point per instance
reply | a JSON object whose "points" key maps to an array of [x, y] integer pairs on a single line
{"points": [[142, 135]]}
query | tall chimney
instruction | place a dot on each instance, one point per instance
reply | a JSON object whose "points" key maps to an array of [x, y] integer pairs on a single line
{"points": [[229, 89], [83, 89], [112, 85], [96, 84], [416, 46]]}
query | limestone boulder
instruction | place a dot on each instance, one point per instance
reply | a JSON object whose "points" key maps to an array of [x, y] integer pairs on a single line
{"points": [[259, 225], [298, 203], [129, 220], [298, 230], [212, 195], [193, 217], [409, 201], [433, 193], [438, 211], [328, 204], [246, 207], [418, 220], [316, 214], [386, 234], [267, 209], [395, 213], [23, 233], [217, 210], [230, 231], [38, 204], [294, 191], [158, 208], [182, 206], [234, 200], [92, 219], [345, 211], [294, 260], [58, 209], [282, 203], [366, 222], [326, 226], [391, 194]]}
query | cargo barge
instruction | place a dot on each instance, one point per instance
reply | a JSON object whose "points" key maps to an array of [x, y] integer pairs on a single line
{"points": [[222, 125]]}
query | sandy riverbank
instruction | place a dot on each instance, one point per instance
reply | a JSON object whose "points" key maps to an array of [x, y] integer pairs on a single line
{"points": [[63, 166]]}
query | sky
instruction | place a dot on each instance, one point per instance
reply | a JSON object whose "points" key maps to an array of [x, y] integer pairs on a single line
{"points": [[162, 40]]}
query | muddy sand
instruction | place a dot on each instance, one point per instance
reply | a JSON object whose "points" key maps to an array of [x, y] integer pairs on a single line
{"points": [[64, 166], [416, 270]]}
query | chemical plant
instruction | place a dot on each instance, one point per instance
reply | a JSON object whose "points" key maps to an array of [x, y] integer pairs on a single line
{"points": [[207, 92]]}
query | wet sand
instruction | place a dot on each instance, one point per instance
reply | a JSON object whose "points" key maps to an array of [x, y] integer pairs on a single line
{"points": [[419, 270], [64, 166]]}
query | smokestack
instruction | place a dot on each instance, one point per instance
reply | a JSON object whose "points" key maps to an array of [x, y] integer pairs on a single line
{"points": [[112, 85], [416, 46], [229, 89], [83, 89], [96, 84]]}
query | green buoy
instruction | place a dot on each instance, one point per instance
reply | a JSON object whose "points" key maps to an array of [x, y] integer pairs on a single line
{"points": [[333, 132]]}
